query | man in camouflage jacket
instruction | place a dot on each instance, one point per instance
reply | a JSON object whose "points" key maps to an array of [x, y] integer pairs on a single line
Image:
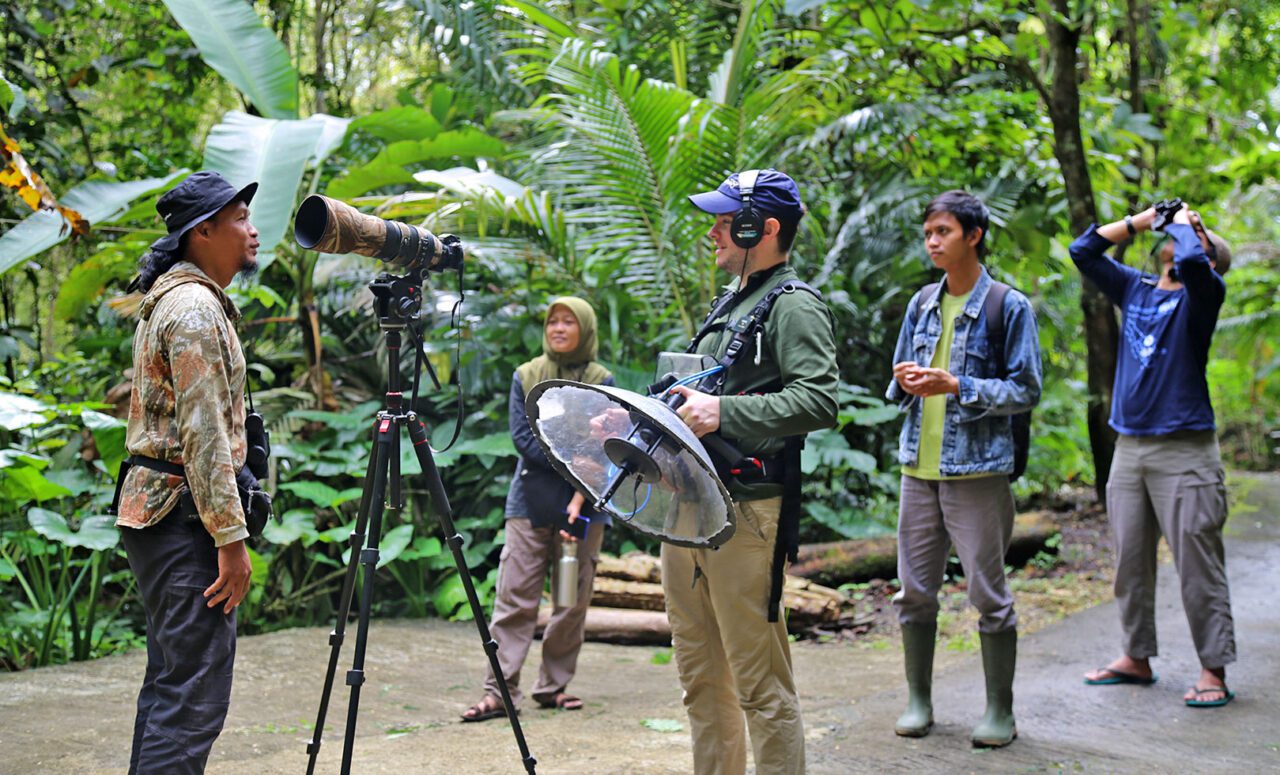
{"points": [[184, 528]]}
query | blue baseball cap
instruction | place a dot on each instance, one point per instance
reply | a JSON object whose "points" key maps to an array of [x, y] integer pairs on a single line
{"points": [[775, 193]]}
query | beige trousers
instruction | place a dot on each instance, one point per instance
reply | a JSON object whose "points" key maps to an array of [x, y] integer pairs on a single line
{"points": [[522, 573], [731, 660]]}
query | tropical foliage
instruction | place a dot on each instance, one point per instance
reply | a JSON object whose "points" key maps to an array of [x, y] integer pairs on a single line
{"points": [[560, 139]]}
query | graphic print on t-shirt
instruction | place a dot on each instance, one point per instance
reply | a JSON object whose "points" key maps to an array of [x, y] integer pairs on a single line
{"points": [[1144, 328]]}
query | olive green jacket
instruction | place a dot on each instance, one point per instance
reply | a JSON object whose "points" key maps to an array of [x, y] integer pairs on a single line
{"points": [[793, 389]]}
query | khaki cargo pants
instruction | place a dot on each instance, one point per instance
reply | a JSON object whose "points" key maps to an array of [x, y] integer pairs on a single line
{"points": [[732, 661], [1171, 485]]}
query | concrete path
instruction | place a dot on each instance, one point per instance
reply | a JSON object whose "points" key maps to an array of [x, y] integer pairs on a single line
{"points": [[78, 718], [1067, 726]]}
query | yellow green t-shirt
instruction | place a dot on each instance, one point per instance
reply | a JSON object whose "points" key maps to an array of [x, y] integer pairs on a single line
{"points": [[929, 453]]}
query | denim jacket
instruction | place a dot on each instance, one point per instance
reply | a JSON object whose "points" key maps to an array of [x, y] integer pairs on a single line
{"points": [[976, 434]]}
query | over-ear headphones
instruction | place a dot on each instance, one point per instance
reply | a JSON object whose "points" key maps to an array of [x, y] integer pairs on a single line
{"points": [[747, 228]]}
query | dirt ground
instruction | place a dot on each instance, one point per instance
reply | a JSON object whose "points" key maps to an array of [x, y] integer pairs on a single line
{"points": [[421, 674]]}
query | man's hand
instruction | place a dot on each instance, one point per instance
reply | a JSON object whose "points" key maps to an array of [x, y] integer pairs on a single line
{"points": [[1143, 220], [234, 571], [1183, 215], [700, 411], [924, 381], [901, 370]]}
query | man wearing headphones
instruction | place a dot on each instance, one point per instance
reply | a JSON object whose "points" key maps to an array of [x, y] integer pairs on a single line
{"points": [[730, 643]]}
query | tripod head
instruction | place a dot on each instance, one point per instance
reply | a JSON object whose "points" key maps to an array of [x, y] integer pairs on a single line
{"points": [[397, 300]]}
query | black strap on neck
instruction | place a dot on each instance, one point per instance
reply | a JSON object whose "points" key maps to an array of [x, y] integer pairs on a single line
{"points": [[720, 307], [745, 332], [726, 301]]}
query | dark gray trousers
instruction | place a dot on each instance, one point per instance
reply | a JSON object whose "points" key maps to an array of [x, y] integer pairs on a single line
{"points": [[977, 516], [190, 647], [1172, 486]]}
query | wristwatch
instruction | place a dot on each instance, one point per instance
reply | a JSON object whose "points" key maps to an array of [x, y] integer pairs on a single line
{"points": [[1128, 224]]}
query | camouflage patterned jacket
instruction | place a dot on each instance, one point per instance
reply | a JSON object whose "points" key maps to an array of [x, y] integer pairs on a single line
{"points": [[187, 404]]}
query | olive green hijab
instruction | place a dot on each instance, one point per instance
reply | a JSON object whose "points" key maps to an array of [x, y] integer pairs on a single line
{"points": [[579, 365]]}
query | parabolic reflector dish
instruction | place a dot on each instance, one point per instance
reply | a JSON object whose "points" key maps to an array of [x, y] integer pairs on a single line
{"points": [[634, 450]]}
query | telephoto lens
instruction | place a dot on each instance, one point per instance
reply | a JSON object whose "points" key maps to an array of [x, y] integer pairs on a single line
{"points": [[330, 226]]}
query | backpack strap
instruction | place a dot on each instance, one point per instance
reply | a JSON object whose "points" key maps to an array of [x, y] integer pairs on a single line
{"points": [[746, 332], [993, 307], [786, 544], [927, 292], [719, 306]]}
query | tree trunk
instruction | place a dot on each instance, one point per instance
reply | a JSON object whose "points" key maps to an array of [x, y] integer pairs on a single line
{"points": [[323, 16], [1101, 330]]}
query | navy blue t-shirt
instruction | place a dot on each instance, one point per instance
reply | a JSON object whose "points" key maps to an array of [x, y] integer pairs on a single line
{"points": [[1160, 385]]}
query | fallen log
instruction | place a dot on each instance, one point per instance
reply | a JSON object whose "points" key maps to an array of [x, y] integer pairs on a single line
{"points": [[634, 581], [632, 566], [807, 603], [840, 562], [617, 593], [620, 625]]}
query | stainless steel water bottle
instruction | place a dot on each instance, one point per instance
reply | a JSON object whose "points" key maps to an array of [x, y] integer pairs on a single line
{"points": [[566, 591]]}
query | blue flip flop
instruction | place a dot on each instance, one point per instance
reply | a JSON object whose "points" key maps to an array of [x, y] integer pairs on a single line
{"points": [[1121, 677], [1228, 696]]}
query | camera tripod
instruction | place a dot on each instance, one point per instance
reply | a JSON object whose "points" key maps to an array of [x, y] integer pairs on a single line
{"points": [[397, 301]]}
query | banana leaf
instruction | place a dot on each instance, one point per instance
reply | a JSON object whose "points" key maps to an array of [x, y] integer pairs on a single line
{"points": [[235, 43], [99, 201], [275, 153]]}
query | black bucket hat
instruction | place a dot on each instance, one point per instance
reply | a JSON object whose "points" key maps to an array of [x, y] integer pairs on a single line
{"points": [[195, 200]]}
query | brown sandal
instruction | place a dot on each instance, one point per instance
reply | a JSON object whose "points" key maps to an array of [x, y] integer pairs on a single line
{"points": [[485, 709], [559, 701]]}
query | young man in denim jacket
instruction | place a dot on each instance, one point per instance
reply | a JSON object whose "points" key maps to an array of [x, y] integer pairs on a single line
{"points": [[1166, 476], [957, 453]]}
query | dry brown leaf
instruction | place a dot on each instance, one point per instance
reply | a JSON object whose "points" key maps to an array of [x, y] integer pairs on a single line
{"points": [[18, 176]]}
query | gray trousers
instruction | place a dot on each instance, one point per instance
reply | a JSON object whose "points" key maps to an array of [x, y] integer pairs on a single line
{"points": [[977, 516], [522, 573], [1171, 485]]}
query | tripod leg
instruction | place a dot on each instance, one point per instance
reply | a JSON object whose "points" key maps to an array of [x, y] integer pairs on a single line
{"points": [[389, 444], [440, 505], [374, 486]]}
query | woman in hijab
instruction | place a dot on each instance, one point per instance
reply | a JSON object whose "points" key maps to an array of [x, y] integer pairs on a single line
{"points": [[539, 504]]}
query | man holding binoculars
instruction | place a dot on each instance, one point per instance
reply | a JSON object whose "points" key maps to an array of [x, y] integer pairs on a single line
{"points": [[1166, 476]]}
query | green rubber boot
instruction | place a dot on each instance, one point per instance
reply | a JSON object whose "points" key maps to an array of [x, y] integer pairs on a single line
{"points": [[999, 658], [917, 647]]}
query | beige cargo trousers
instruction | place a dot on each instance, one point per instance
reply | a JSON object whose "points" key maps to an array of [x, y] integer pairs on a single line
{"points": [[734, 663]]}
